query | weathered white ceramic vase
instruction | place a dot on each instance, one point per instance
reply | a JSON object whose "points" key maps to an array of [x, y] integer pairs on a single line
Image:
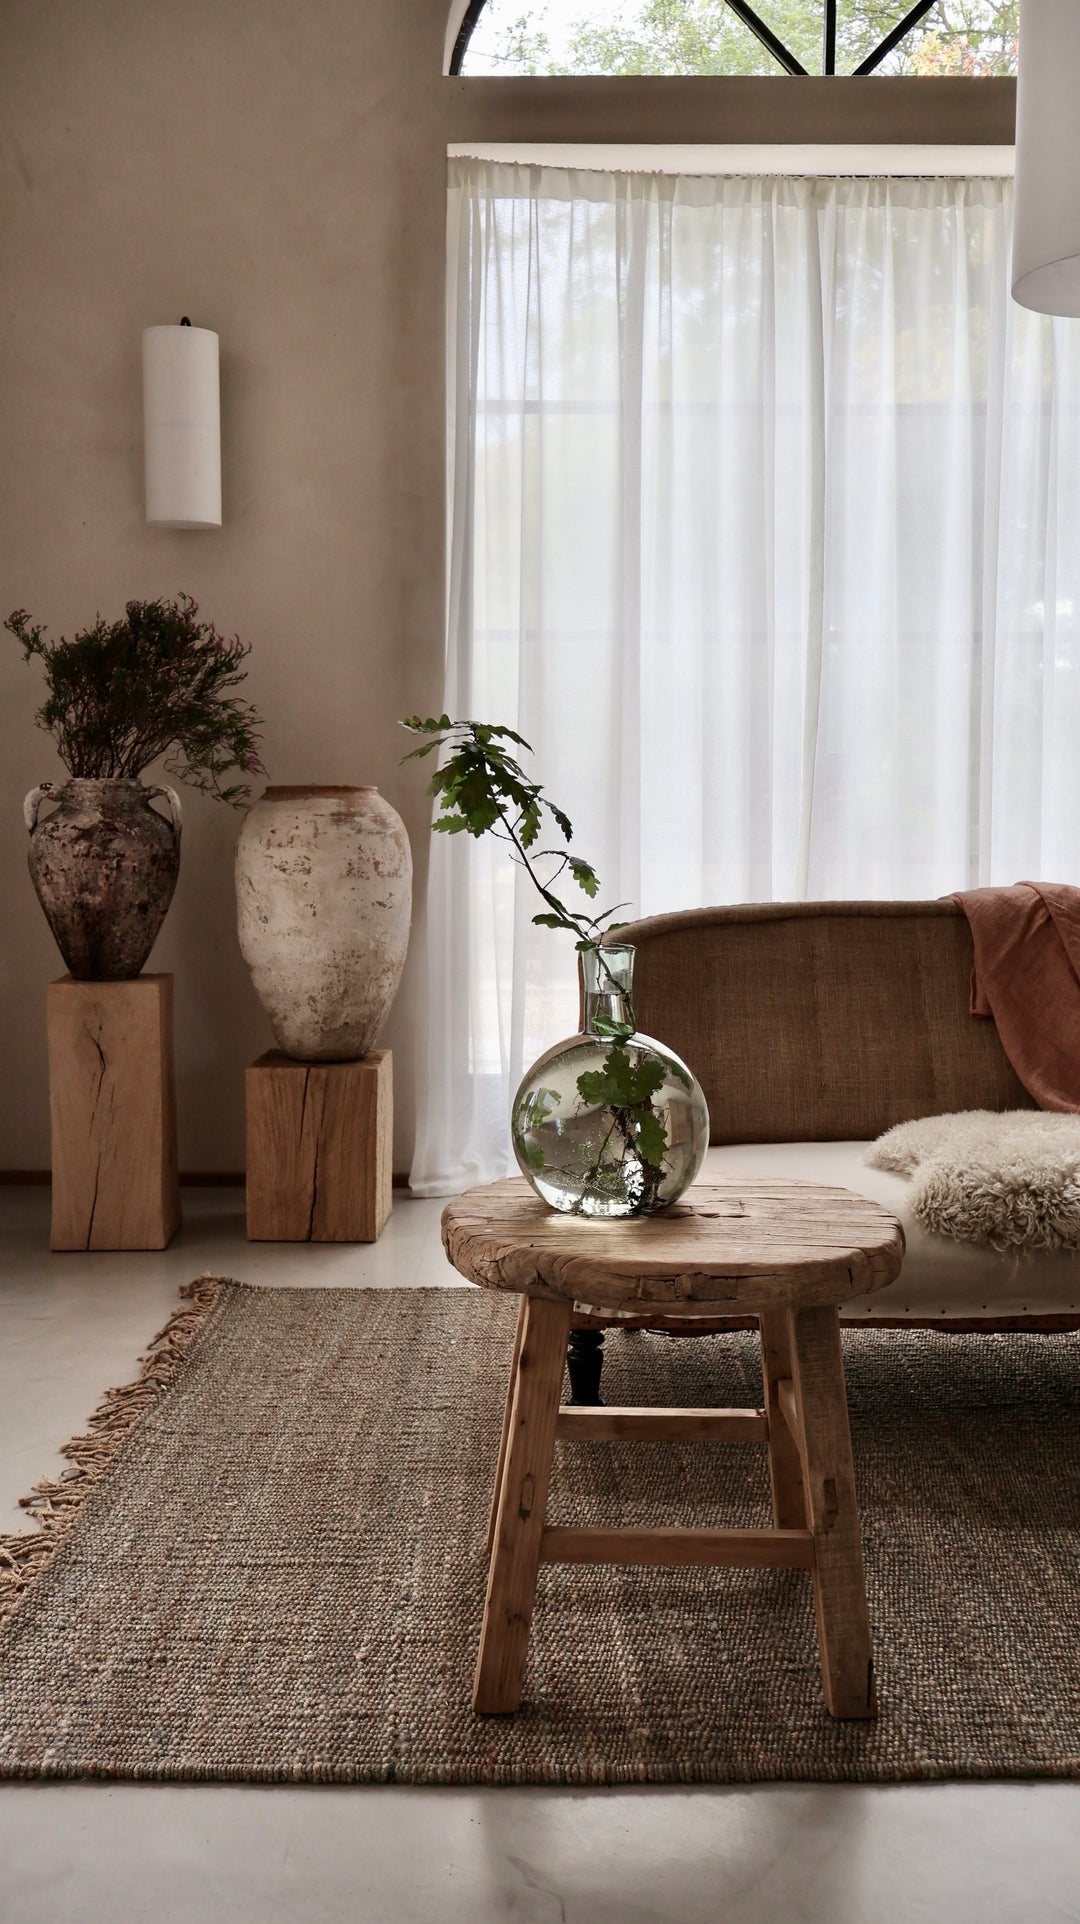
{"points": [[324, 897]]}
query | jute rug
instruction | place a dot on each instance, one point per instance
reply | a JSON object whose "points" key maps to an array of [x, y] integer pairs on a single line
{"points": [[267, 1564]]}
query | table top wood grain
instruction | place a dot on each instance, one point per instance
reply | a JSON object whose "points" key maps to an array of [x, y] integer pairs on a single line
{"points": [[740, 1242]]}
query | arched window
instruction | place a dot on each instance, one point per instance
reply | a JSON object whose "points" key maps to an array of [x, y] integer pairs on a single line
{"points": [[631, 37]]}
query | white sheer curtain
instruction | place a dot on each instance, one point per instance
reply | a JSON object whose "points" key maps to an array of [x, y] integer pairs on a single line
{"points": [[765, 532]]}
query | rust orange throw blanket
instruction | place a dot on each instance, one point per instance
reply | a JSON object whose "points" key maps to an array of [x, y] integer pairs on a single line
{"points": [[1027, 976]]}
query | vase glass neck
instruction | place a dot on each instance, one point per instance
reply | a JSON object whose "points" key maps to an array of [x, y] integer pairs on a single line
{"points": [[609, 977]]}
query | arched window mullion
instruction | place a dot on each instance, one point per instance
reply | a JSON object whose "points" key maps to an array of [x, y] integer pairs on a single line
{"points": [[465, 32]]}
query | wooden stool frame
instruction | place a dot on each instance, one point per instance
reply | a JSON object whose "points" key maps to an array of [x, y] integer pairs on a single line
{"points": [[816, 1525]]}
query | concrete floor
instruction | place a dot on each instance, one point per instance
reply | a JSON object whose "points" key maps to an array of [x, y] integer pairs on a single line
{"points": [[84, 1854]]}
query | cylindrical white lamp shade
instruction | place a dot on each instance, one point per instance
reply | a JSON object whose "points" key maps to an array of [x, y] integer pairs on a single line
{"points": [[182, 427], [1046, 229]]}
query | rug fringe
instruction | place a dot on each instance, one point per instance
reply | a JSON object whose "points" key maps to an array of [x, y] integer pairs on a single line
{"points": [[55, 1502]]}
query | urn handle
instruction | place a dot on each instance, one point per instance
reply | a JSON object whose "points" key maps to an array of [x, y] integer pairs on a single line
{"points": [[176, 813], [46, 793]]}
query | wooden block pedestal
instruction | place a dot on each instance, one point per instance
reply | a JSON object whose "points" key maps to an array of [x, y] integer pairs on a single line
{"points": [[112, 1100], [319, 1148]]}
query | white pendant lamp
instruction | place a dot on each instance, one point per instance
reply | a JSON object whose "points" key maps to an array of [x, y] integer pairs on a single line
{"points": [[182, 426], [1046, 231]]}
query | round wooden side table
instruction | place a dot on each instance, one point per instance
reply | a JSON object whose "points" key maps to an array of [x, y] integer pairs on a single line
{"points": [[785, 1252]]}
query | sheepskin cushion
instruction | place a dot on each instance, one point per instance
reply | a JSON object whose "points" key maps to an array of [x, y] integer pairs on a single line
{"points": [[1009, 1179]]}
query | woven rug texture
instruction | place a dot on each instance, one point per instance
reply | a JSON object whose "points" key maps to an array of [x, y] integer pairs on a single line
{"points": [[268, 1564]]}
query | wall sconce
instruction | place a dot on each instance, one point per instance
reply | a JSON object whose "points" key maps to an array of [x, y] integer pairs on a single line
{"points": [[1046, 229], [182, 426]]}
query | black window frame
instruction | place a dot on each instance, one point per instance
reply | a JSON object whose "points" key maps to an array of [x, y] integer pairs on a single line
{"points": [[744, 12]]}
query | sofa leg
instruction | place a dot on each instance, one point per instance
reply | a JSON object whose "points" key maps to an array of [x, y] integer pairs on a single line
{"points": [[585, 1363]]}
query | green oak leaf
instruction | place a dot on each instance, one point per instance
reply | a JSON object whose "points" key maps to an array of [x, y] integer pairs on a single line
{"points": [[584, 876], [622, 1083], [606, 1026], [651, 1140], [529, 827]]}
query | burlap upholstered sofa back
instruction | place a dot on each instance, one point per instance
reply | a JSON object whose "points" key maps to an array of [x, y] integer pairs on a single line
{"points": [[821, 1021]]}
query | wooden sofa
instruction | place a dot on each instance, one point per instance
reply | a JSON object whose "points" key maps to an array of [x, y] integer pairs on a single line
{"points": [[814, 1027]]}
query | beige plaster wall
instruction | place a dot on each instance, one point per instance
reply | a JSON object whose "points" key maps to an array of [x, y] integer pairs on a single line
{"points": [[277, 173]]}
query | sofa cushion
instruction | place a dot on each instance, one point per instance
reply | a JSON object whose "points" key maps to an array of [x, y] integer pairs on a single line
{"points": [[941, 1278]]}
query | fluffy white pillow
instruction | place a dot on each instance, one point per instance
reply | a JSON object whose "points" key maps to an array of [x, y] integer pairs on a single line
{"points": [[1009, 1178]]}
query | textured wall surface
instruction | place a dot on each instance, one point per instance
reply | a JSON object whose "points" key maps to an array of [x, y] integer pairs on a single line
{"points": [[277, 173], [268, 171]]}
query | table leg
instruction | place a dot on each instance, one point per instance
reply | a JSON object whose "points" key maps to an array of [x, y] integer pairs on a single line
{"points": [[585, 1365], [785, 1466], [515, 1556], [839, 1580], [508, 1411]]}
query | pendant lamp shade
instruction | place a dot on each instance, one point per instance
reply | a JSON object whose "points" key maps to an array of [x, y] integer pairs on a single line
{"points": [[182, 427], [1046, 229]]}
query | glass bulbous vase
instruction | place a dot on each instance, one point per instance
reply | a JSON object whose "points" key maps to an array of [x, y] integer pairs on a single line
{"points": [[609, 1123]]}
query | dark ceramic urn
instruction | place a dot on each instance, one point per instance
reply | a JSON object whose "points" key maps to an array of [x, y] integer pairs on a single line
{"points": [[104, 865]]}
